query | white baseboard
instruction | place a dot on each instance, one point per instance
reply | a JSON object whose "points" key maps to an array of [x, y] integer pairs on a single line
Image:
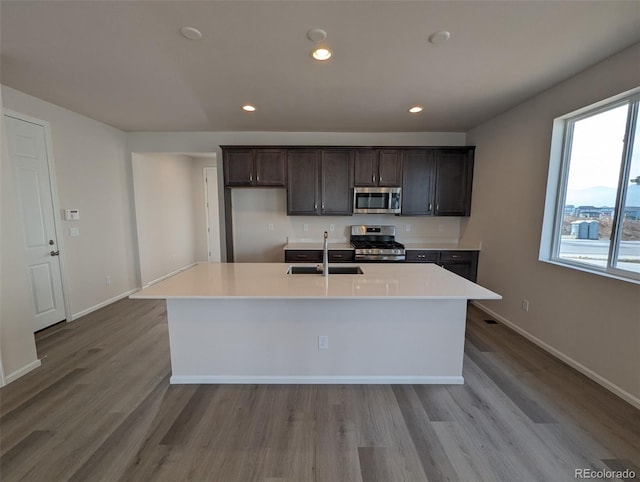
{"points": [[305, 380], [612, 387], [21, 371], [179, 270], [102, 305]]}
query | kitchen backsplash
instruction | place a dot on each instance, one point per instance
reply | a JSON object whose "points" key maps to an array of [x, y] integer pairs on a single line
{"points": [[261, 226]]}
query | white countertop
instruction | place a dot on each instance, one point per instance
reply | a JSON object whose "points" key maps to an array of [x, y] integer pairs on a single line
{"points": [[408, 246], [270, 280], [441, 247], [311, 245]]}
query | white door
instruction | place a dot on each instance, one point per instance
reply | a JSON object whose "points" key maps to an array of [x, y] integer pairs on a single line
{"points": [[213, 218], [28, 153]]}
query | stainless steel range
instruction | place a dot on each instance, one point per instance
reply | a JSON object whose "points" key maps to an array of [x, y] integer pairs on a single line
{"points": [[376, 243]]}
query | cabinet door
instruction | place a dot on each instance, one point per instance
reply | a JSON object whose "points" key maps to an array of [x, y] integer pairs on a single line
{"points": [[454, 171], [337, 182], [238, 167], [342, 256], [422, 256], [389, 167], [303, 256], [463, 263], [417, 182], [366, 167], [302, 181], [270, 167]]}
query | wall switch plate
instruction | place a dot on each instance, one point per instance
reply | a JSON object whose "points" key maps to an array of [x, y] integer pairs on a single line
{"points": [[441, 228], [525, 305], [332, 227], [74, 232], [323, 342], [107, 280], [305, 227], [71, 214], [270, 227], [407, 227]]}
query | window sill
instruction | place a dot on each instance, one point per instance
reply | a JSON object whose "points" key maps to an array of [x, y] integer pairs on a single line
{"points": [[587, 269]]}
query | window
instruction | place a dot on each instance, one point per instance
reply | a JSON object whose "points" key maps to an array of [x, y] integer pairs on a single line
{"points": [[592, 215]]}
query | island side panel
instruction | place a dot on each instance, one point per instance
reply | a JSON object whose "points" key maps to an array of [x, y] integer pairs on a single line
{"points": [[276, 340]]}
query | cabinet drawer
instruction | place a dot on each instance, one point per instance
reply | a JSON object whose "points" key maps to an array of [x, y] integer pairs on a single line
{"points": [[421, 256], [303, 256], [342, 256], [456, 256]]}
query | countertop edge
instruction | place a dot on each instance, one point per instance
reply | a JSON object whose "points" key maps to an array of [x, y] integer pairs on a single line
{"points": [[408, 247]]}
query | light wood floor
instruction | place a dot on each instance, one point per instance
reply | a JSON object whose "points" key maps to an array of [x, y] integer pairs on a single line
{"points": [[101, 409]]}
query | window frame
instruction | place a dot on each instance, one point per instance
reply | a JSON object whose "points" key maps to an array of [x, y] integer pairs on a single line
{"points": [[559, 163]]}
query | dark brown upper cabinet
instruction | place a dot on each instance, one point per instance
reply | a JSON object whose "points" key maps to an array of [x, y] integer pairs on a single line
{"points": [[377, 167], [437, 181], [303, 171], [320, 182], [254, 167], [418, 167], [453, 180], [336, 183]]}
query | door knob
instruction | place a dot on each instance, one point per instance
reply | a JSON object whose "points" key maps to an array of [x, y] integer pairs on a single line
{"points": [[51, 242], [54, 253]]}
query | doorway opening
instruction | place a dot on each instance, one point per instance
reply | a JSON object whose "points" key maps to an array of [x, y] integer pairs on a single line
{"points": [[177, 212]]}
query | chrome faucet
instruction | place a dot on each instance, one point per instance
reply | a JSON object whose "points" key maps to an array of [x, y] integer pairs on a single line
{"points": [[325, 255]]}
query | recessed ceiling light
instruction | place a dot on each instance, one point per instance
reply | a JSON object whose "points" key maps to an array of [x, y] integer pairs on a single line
{"points": [[439, 37], [322, 53], [191, 33], [415, 109], [248, 108]]}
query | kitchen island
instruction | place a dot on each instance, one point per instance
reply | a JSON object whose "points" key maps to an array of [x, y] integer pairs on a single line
{"points": [[255, 323]]}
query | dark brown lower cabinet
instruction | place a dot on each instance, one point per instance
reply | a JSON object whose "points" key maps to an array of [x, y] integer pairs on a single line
{"points": [[315, 256], [463, 263]]}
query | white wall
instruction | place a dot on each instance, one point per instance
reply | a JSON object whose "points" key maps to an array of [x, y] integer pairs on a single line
{"points": [[17, 344], [255, 209], [590, 320], [93, 173], [165, 216], [170, 213]]}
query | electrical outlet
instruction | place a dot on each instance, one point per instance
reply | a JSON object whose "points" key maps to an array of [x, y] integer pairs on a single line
{"points": [[107, 280], [332, 227], [323, 342], [525, 305], [74, 232], [407, 227], [270, 227], [305, 227], [441, 228]]}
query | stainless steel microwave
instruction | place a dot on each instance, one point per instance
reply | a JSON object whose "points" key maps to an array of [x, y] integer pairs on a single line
{"points": [[376, 200]]}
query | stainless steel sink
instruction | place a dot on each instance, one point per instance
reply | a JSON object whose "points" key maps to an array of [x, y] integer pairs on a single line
{"points": [[318, 270]]}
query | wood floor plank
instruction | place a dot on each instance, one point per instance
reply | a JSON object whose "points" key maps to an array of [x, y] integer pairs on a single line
{"points": [[23, 454], [100, 409], [107, 459], [435, 462]]}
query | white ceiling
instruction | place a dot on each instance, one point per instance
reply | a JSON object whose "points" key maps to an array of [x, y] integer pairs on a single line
{"points": [[125, 63]]}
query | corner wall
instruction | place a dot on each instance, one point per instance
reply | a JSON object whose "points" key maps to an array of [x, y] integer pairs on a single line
{"points": [[169, 203], [93, 174], [590, 321]]}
